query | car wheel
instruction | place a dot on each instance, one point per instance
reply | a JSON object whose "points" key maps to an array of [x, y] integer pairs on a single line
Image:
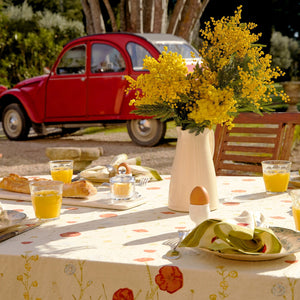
{"points": [[146, 132], [15, 123]]}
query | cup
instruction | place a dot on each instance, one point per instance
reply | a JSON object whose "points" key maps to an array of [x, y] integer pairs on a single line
{"points": [[61, 170], [46, 198], [276, 174], [295, 194]]}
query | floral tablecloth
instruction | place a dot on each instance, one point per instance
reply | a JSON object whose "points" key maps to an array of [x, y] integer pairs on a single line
{"points": [[92, 253]]}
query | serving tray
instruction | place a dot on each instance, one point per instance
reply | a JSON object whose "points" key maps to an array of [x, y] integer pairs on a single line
{"points": [[100, 200]]}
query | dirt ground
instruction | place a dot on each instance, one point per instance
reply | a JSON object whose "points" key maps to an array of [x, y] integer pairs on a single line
{"points": [[29, 157]]}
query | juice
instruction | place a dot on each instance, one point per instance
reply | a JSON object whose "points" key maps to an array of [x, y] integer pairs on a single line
{"points": [[46, 204], [276, 182], [61, 174], [296, 214]]}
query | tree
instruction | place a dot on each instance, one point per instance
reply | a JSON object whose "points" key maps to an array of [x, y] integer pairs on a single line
{"points": [[30, 41], [286, 54], [70, 9], [179, 17], [279, 50]]}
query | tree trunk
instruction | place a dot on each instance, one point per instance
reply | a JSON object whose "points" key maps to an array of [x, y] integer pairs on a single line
{"points": [[98, 22], [88, 17], [123, 14], [147, 16], [94, 18], [134, 11], [158, 13], [111, 16], [185, 17], [175, 17]]}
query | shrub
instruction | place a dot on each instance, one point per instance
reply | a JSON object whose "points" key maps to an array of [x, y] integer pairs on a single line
{"points": [[29, 41], [286, 54]]}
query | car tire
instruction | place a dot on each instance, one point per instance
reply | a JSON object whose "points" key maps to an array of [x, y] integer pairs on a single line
{"points": [[146, 132], [15, 122]]}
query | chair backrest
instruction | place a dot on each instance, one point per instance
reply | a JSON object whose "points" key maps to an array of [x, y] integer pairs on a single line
{"points": [[253, 138]]}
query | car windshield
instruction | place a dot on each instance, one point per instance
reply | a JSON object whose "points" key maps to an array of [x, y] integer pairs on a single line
{"points": [[181, 48]]}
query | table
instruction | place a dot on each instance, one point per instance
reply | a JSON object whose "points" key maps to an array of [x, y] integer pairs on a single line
{"points": [[94, 253]]}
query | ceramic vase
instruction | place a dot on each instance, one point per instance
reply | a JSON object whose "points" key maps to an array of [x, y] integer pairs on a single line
{"points": [[192, 166]]}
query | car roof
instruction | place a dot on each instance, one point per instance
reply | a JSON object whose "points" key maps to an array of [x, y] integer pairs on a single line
{"points": [[150, 37], [157, 40], [161, 37]]}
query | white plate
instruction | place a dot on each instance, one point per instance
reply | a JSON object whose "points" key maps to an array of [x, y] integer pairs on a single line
{"points": [[289, 239], [13, 218]]}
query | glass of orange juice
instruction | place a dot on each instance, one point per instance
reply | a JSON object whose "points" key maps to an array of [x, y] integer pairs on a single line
{"points": [[46, 198], [61, 170], [276, 174], [295, 194]]}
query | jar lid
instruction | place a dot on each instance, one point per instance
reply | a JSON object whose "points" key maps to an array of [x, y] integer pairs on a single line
{"points": [[122, 178], [124, 174]]}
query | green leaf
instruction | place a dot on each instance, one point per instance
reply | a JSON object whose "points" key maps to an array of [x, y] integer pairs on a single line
{"points": [[157, 110]]}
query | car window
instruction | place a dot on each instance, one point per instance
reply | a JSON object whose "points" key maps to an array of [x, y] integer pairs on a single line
{"points": [[73, 61], [137, 54], [106, 58]]}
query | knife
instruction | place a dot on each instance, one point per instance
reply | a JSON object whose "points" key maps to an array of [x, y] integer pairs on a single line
{"points": [[21, 229]]}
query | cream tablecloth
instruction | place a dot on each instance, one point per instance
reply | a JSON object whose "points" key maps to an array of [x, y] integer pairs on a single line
{"points": [[92, 253]]}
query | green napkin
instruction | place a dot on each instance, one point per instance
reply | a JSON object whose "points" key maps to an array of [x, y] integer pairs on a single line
{"points": [[101, 173], [141, 171], [136, 167], [225, 237]]}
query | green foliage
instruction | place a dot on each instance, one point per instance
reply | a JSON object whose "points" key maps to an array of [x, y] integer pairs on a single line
{"points": [[286, 54], [157, 110], [70, 9], [30, 41], [294, 48], [279, 50]]}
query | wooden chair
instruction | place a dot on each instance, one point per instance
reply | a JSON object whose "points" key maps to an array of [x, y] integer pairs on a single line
{"points": [[254, 138]]}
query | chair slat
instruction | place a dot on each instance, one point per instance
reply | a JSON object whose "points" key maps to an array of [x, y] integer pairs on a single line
{"points": [[244, 168], [246, 158], [251, 139], [255, 130], [248, 149]]}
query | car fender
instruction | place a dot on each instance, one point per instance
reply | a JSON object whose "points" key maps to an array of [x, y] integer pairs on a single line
{"points": [[2, 89], [20, 96]]}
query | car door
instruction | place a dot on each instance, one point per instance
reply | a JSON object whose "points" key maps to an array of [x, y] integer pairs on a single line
{"points": [[66, 87], [106, 81]]}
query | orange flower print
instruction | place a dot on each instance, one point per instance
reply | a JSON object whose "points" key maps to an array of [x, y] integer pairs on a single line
{"points": [[169, 279], [123, 294]]}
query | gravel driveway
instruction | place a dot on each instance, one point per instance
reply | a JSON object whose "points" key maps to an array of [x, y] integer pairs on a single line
{"points": [[28, 157]]}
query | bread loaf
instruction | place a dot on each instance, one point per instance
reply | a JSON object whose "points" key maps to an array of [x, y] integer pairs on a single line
{"points": [[81, 188], [19, 184]]}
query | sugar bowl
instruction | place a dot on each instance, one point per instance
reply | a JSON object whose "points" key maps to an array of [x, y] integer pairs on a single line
{"points": [[122, 185]]}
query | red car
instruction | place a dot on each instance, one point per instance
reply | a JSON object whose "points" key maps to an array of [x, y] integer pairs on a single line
{"points": [[86, 86]]}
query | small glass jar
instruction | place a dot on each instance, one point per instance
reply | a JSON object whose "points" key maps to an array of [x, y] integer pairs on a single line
{"points": [[122, 186]]}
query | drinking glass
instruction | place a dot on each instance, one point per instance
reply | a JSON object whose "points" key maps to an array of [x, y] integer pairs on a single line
{"points": [[61, 170], [295, 194], [276, 174], [46, 198]]}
